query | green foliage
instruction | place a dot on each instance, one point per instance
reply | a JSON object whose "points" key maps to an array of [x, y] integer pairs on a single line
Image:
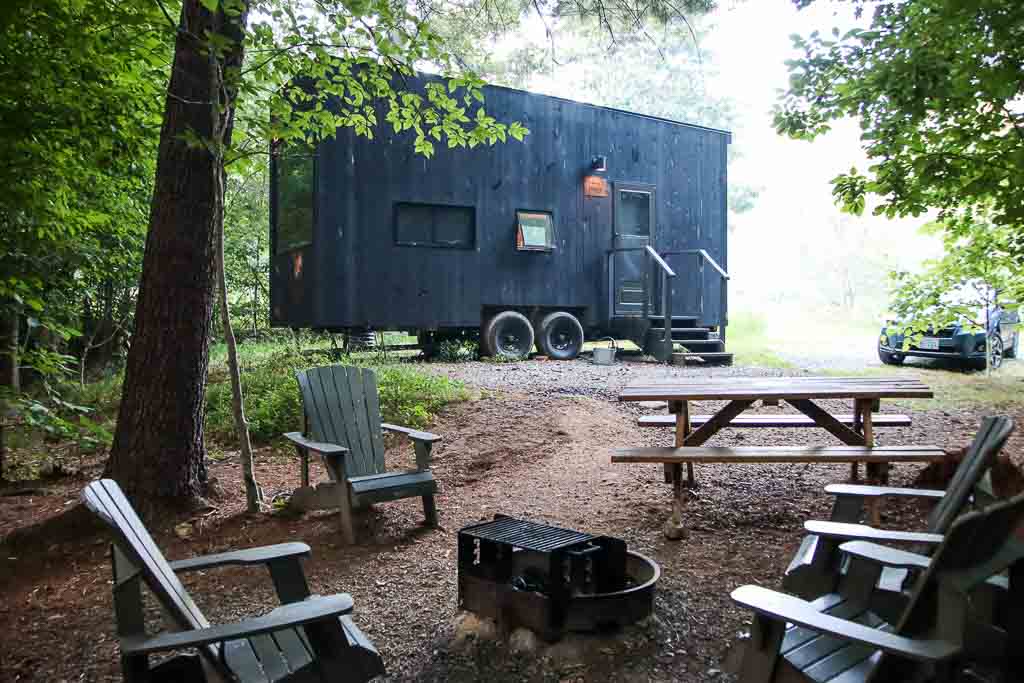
{"points": [[79, 84], [457, 351], [936, 86], [979, 269], [408, 396]]}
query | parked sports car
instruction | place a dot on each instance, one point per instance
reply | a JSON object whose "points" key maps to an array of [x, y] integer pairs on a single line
{"points": [[956, 342]]}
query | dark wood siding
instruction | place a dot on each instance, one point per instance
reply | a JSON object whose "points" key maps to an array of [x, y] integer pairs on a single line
{"points": [[366, 279]]}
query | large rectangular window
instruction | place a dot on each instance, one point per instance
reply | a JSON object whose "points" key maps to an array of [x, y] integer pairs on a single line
{"points": [[435, 225], [293, 194], [535, 231]]}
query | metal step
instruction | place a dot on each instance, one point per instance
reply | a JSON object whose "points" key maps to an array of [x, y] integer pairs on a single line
{"points": [[702, 345], [681, 333], [704, 358]]}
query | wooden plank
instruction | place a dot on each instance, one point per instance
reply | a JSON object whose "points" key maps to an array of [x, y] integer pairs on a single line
{"points": [[864, 532], [331, 397], [783, 420], [358, 398], [293, 648], [725, 393], [787, 608], [176, 600], [767, 387], [243, 662], [720, 420], [824, 419], [273, 662], [371, 392], [779, 454]]}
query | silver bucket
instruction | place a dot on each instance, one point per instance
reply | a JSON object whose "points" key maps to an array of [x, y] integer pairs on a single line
{"points": [[605, 356]]}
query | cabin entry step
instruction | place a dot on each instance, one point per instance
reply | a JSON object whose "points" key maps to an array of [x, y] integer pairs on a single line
{"points": [[702, 358]]}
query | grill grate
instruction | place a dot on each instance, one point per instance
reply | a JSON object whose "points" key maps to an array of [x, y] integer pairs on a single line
{"points": [[527, 535]]}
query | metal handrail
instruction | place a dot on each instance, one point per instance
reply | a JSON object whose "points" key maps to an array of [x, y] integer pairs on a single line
{"points": [[659, 261], [707, 257]]}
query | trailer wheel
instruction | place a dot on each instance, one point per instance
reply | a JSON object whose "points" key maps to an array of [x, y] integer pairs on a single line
{"points": [[508, 334], [560, 336]]}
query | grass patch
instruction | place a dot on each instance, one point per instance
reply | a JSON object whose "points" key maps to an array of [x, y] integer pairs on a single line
{"points": [[408, 396], [748, 340], [955, 388]]}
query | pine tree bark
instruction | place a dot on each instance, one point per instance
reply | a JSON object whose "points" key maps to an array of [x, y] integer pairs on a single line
{"points": [[158, 454]]}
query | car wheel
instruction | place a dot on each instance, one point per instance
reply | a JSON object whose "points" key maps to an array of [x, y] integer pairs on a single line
{"points": [[891, 358], [509, 335], [995, 352], [560, 336]]}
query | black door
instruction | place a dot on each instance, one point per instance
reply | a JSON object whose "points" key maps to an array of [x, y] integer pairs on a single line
{"points": [[633, 224]]}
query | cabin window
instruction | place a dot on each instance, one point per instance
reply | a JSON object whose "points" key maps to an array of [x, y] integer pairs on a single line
{"points": [[435, 225], [293, 206], [535, 231]]}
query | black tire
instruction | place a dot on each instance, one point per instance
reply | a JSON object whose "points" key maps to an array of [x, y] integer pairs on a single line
{"points": [[891, 358], [996, 352], [560, 336], [508, 334]]}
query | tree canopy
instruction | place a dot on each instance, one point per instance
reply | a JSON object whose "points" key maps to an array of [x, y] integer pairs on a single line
{"points": [[937, 88]]}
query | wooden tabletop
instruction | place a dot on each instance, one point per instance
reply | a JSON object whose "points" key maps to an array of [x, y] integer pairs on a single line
{"points": [[781, 388]]}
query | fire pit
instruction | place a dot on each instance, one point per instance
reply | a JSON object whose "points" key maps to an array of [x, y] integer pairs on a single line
{"points": [[552, 580]]}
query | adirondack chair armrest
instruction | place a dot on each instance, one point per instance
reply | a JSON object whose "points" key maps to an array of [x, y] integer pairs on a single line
{"points": [[863, 532], [413, 434], [884, 555], [864, 491], [781, 607], [316, 608], [316, 446], [249, 556]]}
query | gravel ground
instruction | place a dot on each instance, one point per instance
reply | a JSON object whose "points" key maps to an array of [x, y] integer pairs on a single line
{"points": [[534, 443]]}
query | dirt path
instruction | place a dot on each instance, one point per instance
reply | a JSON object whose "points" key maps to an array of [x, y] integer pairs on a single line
{"points": [[536, 445]]}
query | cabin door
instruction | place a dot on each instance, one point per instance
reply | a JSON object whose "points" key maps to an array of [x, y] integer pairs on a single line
{"points": [[632, 226]]}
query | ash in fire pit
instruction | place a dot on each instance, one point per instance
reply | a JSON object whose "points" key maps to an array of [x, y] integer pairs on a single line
{"points": [[552, 580]]}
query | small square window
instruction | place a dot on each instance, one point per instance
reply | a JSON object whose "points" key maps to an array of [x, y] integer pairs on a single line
{"points": [[535, 231]]}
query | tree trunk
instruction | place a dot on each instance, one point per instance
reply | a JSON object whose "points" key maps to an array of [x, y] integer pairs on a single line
{"points": [[253, 492], [158, 455]]}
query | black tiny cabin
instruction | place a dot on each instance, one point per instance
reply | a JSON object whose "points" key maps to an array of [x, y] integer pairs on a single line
{"points": [[544, 240]]}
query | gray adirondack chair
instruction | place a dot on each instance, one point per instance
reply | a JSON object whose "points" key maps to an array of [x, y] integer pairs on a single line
{"points": [[837, 639], [308, 638], [816, 566], [341, 406]]}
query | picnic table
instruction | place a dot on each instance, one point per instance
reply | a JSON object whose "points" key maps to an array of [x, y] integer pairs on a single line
{"points": [[855, 431]]}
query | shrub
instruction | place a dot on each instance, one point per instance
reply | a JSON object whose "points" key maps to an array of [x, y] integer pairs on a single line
{"points": [[272, 404]]}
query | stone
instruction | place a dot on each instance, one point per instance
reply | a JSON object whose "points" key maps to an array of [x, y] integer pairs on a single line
{"points": [[566, 654], [523, 641], [469, 627], [674, 529]]}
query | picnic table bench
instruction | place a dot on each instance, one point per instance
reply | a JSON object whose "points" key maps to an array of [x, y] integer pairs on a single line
{"points": [[855, 431], [780, 420]]}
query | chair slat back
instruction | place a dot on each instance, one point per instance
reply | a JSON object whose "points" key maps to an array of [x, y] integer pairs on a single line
{"points": [[342, 406], [106, 499], [973, 473], [977, 546]]}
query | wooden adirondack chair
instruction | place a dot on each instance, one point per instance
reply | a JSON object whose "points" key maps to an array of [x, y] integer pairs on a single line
{"points": [[816, 567], [342, 424], [308, 638], [836, 639]]}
